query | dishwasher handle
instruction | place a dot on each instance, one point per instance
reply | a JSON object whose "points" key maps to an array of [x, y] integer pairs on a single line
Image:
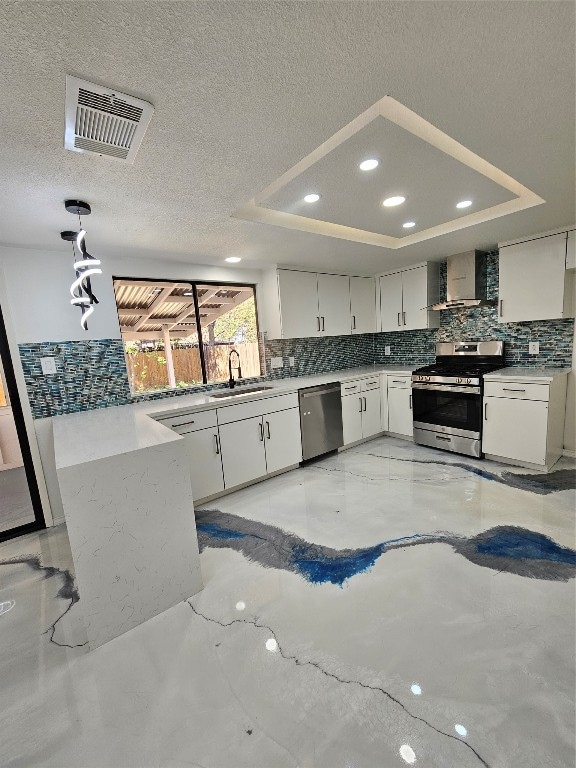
{"points": [[304, 394]]}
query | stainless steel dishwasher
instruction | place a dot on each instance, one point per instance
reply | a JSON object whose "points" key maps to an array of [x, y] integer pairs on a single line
{"points": [[320, 419]]}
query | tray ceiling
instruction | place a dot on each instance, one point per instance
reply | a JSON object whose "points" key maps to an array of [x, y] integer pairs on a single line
{"points": [[423, 167]]}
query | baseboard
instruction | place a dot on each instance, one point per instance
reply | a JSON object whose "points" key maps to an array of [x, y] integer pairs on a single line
{"points": [[240, 487], [568, 452]]}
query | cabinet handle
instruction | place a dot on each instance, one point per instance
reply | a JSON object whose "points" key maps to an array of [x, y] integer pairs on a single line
{"points": [[485, 411], [217, 445], [360, 411], [398, 381], [500, 307], [447, 439], [182, 423], [318, 320], [261, 429], [404, 317], [399, 323], [323, 324], [410, 401], [353, 322], [268, 430], [506, 389], [364, 404]]}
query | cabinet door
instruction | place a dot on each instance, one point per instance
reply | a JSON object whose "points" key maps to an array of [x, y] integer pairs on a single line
{"points": [[282, 439], [515, 429], [400, 411], [571, 250], [532, 280], [205, 462], [298, 304], [371, 416], [391, 302], [352, 418], [334, 305], [414, 298], [243, 454], [363, 304]]}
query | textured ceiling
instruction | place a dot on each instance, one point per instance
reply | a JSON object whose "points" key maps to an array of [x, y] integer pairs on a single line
{"points": [[244, 90]]}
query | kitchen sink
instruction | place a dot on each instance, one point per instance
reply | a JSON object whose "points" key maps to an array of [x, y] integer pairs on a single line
{"points": [[244, 391]]}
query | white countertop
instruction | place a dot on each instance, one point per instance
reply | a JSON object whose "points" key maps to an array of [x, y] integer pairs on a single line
{"points": [[98, 434], [527, 375]]}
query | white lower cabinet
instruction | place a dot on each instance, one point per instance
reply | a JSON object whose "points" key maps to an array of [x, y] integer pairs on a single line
{"points": [[524, 420], [515, 429], [372, 414], [351, 418], [400, 406], [243, 453], [253, 448], [205, 463], [282, 440], [361, 409]]}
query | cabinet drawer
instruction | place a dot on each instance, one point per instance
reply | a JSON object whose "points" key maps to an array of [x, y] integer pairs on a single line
{"points": [[399, 382], [517, 391], [265, 405], [350, 388], [372, 383], [189, 422]]}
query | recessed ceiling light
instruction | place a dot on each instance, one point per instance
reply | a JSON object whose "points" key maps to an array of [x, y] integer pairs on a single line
{"points": [[233, 259], [409, 224], [312, 198], [392, 201], [464, 204], [369, 165]]}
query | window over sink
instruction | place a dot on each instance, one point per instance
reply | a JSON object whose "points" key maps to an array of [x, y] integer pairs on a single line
{"points": [[180, 334]]}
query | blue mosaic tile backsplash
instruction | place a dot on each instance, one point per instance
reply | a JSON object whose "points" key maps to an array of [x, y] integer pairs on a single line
{"points": [[92, 374]]}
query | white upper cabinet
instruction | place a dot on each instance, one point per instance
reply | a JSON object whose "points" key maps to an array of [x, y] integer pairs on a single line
{"points": [[391, 302], [363, 304], [308, 304], [533, 281], [571, 250], [415, 299], [298, 295], [404, 296], [334, 305]]}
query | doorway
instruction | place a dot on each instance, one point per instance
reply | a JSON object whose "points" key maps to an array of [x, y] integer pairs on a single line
{"points": [[20, 506]]}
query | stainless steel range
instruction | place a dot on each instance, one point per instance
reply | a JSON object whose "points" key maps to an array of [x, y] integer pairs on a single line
{"points": [[447, 396]]}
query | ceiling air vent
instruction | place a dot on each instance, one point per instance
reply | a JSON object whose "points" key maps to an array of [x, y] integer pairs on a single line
{"points": [[103, 121]]}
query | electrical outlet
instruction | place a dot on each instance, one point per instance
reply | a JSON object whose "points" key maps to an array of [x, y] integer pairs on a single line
{"points": [[48, 365], [291, 362], [387, 350], [533, 348], [276, 362]]}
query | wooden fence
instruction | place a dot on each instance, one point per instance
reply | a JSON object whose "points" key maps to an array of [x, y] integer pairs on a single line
{"points": [[147, 370]]}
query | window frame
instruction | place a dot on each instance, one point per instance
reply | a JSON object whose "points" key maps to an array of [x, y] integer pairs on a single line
{"points": [[194, 286]]}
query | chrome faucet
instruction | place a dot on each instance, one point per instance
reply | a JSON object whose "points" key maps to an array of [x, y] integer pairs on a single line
{"points": [[232, 380]]}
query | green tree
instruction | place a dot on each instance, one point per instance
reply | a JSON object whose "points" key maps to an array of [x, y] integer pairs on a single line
{"points": [[238, 324]]}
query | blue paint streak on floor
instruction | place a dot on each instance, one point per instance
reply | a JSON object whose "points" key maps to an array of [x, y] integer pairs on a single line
{"points": [[336, 570], [524, 545], [512, 549], [212, 529]]}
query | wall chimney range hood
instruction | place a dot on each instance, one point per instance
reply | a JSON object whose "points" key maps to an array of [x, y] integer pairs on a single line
{"points": [[465, 281]]}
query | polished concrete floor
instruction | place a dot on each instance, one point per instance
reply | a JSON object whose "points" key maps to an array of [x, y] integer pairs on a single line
{"points": [[15, 502], [390, 605]]}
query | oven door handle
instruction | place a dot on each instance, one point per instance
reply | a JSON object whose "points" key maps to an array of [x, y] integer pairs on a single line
{"points": [[447, 388]]}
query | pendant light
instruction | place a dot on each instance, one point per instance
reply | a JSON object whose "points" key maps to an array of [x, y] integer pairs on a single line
{"points": [[85, 265]]}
